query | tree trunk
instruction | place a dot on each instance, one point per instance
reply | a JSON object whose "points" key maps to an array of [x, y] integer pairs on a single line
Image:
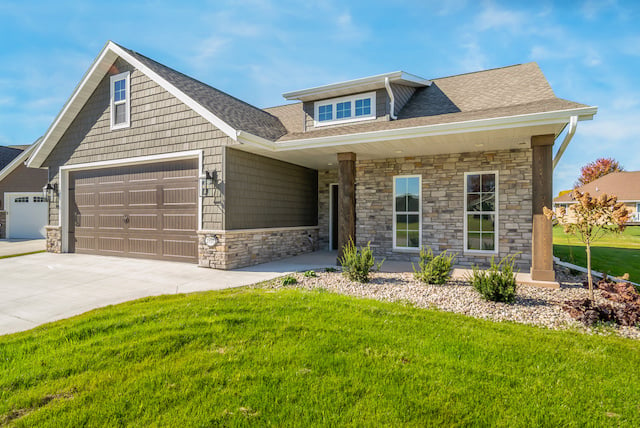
{"points": [[589, 271]]}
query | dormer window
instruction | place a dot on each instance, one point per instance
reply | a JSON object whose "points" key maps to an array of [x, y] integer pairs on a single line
{"points": [[120, 101], [347, 109]]}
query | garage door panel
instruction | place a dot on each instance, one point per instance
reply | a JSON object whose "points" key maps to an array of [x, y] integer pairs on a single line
{"points": [[114, 198], [111, 244], [180, 196], [141, 222], [144, 246], [147, 211], [184, 222], [182, 249], [144, 198], [111, 222]]}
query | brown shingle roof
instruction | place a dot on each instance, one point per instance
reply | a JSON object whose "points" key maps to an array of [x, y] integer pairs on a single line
{"points": [[236, 113], [624, 185], [508, 91]]}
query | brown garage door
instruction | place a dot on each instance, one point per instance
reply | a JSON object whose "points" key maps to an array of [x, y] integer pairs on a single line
{"points": [[147, 211]]}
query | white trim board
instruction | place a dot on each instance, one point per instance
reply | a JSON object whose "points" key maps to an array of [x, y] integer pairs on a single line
{"points": [[63, 201], [420, 214]]}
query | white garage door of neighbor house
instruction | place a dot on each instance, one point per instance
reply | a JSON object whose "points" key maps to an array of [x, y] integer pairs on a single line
{"points": [[26, 215]]}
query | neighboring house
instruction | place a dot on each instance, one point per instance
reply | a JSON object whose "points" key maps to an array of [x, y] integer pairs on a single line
{"points": [[624, 185], [152, 163], [23, 208]]}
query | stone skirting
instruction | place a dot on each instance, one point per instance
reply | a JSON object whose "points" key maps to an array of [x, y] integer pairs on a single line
{"points": [[3, 224], [54, 239], [240, 248]]}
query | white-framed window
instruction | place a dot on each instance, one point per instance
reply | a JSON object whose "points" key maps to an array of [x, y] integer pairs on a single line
{"points": [[21, 199], [345, 109], [481, 212], [407, 212], [120, 101], [39, 199]]}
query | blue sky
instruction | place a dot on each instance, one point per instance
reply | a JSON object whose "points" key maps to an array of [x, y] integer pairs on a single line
{"points": [[258, 49]]}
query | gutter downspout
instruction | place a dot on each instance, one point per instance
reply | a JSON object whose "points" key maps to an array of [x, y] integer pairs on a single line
{"points": [[392, 107], [573, 124]]}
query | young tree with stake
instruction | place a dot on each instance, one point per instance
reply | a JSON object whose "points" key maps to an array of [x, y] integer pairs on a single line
{"points": [[590, 219]]}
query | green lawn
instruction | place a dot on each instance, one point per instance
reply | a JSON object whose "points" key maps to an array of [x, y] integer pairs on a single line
{"points": [[613, 254], [297, 358]]}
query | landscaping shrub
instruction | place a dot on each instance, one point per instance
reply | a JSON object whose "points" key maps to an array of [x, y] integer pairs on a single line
{"points": [[434, 269], [498, 283], [310, 274], [289, 280], [357, 263]]}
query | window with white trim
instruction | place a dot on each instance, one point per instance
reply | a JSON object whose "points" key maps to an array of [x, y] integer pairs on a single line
{"points": [[20, 199], [407, 219], [345, 109], [481, 212], [120, 101], [39, 199]]}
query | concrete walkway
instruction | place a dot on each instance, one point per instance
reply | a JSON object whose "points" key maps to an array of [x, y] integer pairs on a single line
{"points": [[44, 287], [10, 247]]}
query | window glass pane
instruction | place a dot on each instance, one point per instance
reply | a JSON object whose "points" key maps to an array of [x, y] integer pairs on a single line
{"points": [[413, 222], [413, 239], [473, 183], [487, 241], [473, 222], [413, 186], [120, 114], [488, 222], [363, 107], [401, 238], [488, 202], [488, 182], [119, 92], [473, 202], [473, 241], [343, 110], [401, 222], [401, 193], [413, 203], [325, 112]]}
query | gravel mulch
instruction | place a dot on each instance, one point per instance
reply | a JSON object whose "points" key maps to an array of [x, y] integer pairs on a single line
{"points": [[533, 305]]}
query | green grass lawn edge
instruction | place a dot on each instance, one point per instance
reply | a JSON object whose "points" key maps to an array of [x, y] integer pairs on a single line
{"points": [[298, 358]]}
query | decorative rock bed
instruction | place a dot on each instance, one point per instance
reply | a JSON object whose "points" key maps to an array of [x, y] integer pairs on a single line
{"points": [[533, 305]]}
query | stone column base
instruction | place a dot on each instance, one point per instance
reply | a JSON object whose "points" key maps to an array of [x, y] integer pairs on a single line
{"points": [[54, 239], [543, 275]]}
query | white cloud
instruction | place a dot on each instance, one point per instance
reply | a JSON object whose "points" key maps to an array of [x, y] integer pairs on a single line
{"points": [[591, 9], [473, 58]]}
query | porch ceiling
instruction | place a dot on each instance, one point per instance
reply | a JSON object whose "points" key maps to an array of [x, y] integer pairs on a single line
{"points": [[324, 157]]}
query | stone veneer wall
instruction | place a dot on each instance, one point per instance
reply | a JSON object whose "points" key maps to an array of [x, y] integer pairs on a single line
{"points": [[325, 179], [3, 224], [54, 239], [241, 248], [443, 203]]}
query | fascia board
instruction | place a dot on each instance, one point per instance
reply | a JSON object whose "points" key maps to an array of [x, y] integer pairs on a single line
{"points": [[83, 88], [317, 92], [532, 119]]}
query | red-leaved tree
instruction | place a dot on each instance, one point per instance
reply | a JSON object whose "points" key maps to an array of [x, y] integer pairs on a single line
{"points": [[596, 169]]}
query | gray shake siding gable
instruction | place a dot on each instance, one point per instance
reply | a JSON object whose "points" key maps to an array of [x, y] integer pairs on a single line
{"points": [[160, 123]]}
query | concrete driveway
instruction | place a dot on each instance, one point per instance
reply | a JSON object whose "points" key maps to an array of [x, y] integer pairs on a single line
{"points": [[10, 247], [44, 287]]}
